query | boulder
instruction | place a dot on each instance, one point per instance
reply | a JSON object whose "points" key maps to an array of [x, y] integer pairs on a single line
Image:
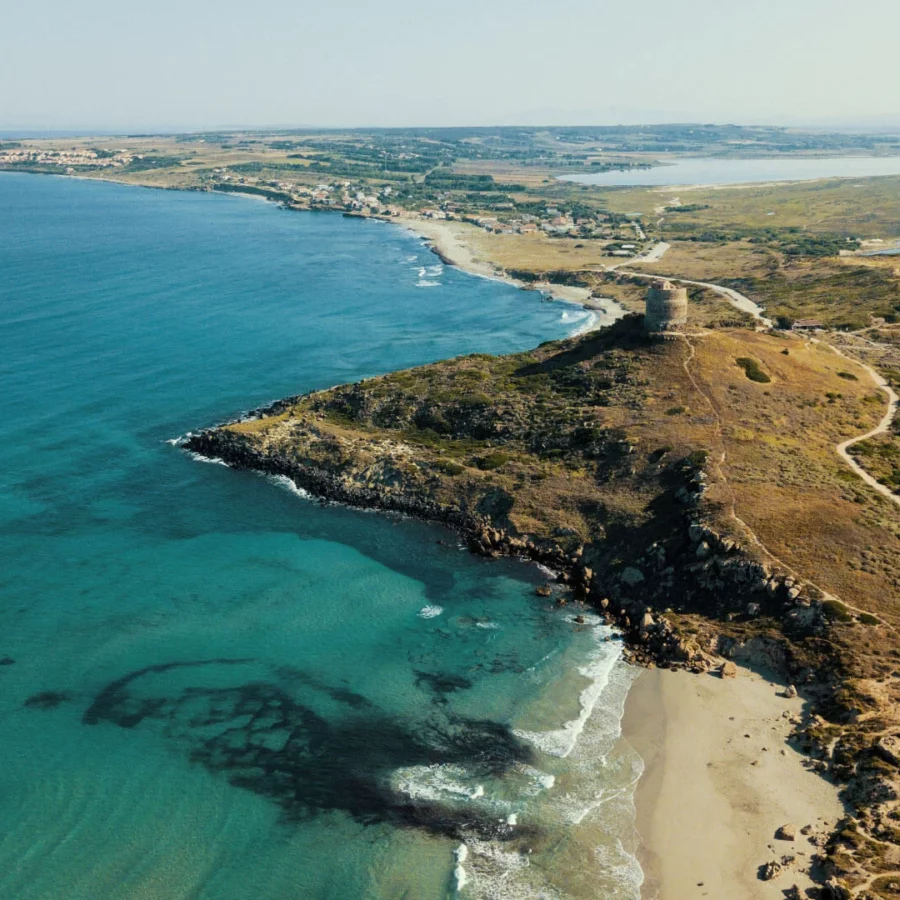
{"points": [[888, 748], [543, 591], [770, 870], [786, 833], [790, 692], [728, 669], [831, 890]]}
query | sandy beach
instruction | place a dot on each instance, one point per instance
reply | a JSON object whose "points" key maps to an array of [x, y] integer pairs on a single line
{"points": [[720, 778], [449, 239]]}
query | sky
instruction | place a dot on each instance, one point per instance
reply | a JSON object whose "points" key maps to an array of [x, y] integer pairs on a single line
{"points": [[198, 64]]}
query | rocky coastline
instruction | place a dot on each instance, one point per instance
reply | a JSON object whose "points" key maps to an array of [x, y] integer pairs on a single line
{"points": [[651, 549]]}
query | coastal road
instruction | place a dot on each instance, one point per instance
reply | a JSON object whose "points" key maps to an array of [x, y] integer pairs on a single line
{"points": [[735, 298]]}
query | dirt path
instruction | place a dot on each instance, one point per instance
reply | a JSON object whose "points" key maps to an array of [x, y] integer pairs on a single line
{"points": [[723, 479], [881, 428], [745, 304]]}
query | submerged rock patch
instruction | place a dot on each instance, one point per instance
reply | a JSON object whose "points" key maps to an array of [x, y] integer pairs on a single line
{"points": [[271, 737]]}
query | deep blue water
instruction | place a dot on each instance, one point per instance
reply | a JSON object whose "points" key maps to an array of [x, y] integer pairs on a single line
{"points": [[215, 688]]}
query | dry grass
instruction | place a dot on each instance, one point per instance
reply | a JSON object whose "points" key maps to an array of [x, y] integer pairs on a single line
{"points": [[790, 487], [715, 262], [537, 252], [864, 207]]}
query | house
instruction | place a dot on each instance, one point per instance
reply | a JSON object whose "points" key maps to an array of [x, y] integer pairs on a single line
{"points": [[807, 325]]}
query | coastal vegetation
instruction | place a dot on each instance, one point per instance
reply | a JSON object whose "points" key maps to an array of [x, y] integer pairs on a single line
{"points": [[688, 489], [668, 493]]}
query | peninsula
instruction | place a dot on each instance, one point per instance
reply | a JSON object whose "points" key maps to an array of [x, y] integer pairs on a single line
{"points": [[720, 482]]}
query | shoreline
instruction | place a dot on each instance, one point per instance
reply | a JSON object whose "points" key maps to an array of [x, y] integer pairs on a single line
{"points": [[452, 249], [705, 832], [712, 796]]}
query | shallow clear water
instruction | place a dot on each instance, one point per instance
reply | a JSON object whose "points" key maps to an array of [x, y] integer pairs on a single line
{"points": [[215, 688], [685, 171]]}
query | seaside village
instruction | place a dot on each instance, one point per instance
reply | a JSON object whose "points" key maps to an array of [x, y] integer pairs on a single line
{"points": [[360, 198], [363, 199], [68, 159]]}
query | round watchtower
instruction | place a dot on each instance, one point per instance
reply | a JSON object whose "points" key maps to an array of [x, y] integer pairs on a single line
{"points": [[666, 307]]}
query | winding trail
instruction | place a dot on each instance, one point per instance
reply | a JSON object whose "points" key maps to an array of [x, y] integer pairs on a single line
{"points": [[745, 304], [881, 428], [723, 480]]}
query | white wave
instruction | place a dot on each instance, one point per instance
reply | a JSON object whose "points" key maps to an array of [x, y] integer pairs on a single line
{"points": [[461, 853], [490, 626], [412, 258], [288, 484], [422, 271], [561, 742], [512, 819], [584, 320], [459, 875], [430, 612], [622, 866], [423, 283], [176, 442], [433, 271], [436, 783], [214, 460], [544, 779]]}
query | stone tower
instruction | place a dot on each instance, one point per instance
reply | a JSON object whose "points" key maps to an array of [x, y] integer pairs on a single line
{"points": [[666, 308]]}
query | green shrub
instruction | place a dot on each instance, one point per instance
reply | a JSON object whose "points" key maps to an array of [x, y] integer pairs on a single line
{"points": [[491, 461], [836, 611], [848, 375], [448, 467], [752, 369], [676, 411], [698, 457]]}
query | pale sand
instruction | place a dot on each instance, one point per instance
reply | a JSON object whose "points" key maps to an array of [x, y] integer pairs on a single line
{"points": [[705, 812], [450, 239]]}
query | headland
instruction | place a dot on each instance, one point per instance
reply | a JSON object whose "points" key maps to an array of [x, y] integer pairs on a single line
{"points": [[690, 490]]}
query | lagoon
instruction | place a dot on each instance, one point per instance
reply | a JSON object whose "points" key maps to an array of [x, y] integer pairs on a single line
{"points": [[709, 171]]}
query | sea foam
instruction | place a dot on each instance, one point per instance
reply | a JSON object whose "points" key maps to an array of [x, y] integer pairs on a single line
{"points": [[561, 741]]}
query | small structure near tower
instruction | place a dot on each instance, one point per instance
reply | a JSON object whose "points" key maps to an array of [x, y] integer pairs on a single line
{"points": [[666, 308]]}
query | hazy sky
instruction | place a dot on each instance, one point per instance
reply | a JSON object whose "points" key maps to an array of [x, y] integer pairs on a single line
{"points": [[201, 64]]}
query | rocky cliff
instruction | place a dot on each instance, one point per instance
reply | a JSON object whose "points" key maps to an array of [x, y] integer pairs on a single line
{"points": [[595, 457]]}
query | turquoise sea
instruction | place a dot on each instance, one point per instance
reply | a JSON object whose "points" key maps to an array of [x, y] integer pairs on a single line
{"points": [[214, 688]]}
